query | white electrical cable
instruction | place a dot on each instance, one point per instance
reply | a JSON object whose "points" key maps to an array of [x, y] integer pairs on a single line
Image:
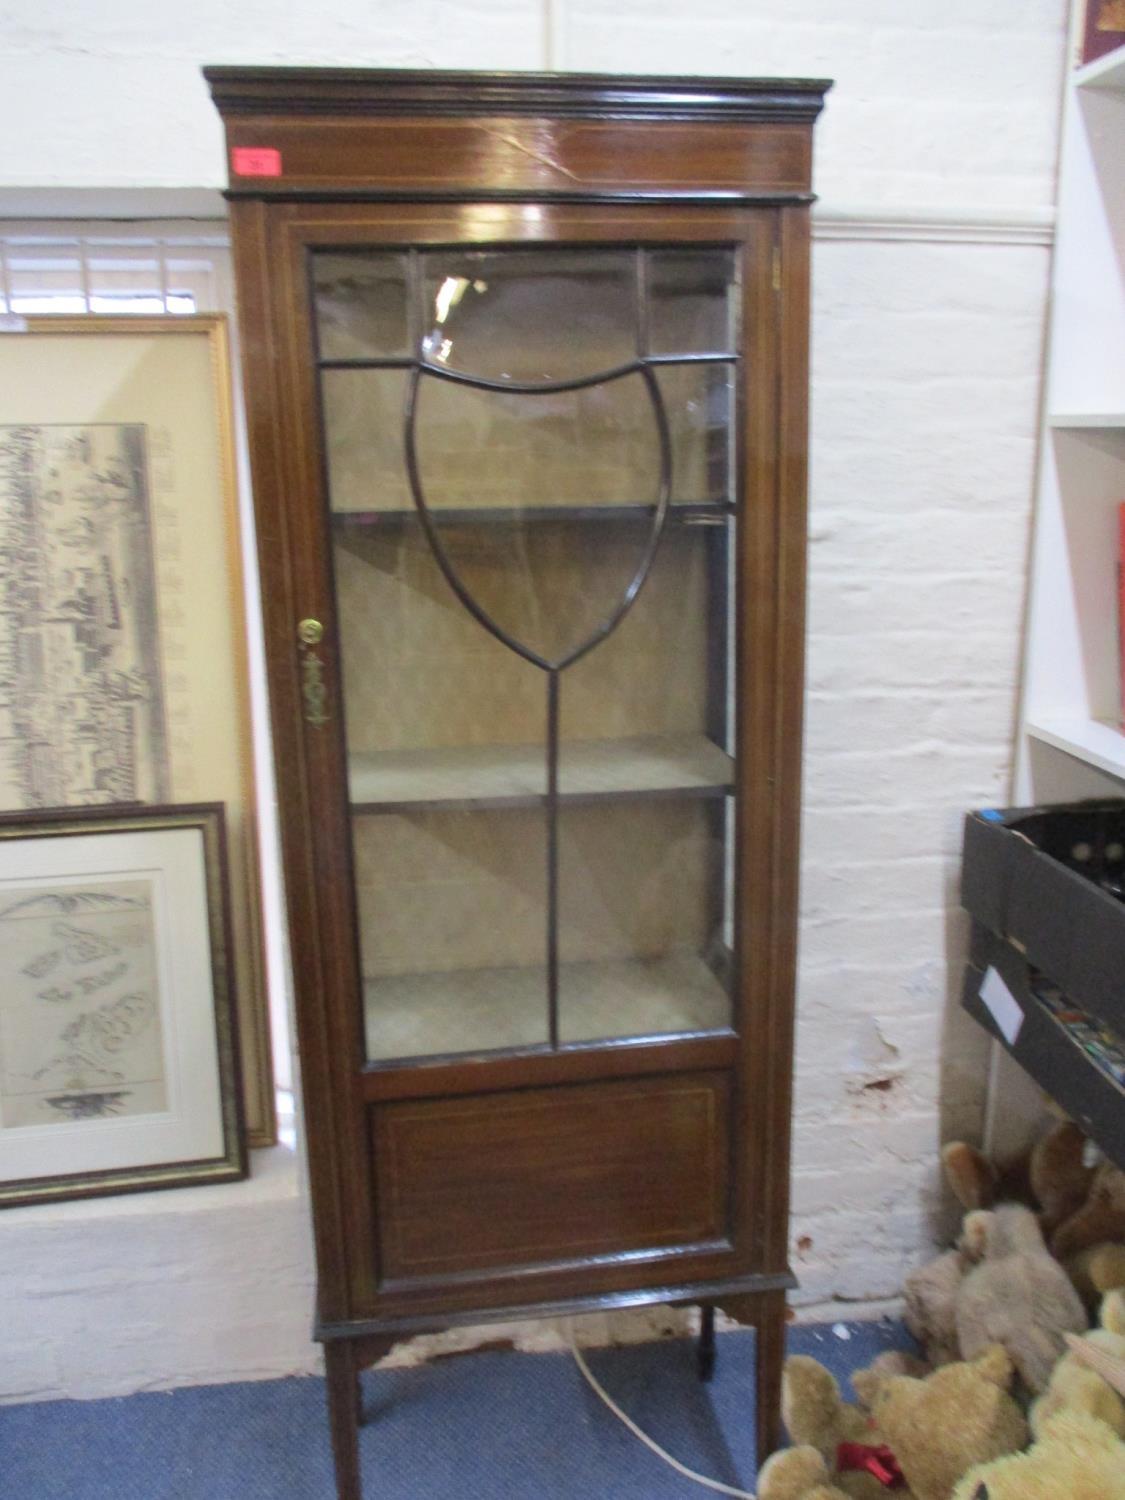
{"points": [[599, 1390]]}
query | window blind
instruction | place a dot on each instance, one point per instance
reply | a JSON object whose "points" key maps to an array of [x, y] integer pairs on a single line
{"points": [[69, 269]]}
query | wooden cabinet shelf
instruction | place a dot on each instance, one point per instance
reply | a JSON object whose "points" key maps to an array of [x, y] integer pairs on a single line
{"points": [[516, 775], [687, 513]]}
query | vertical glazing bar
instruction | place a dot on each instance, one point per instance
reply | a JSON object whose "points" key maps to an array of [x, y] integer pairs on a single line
{"points": [[553, 855], [415, 309]]}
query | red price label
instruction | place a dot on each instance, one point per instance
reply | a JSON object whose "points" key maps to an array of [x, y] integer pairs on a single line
{"points": [[256, 161]]}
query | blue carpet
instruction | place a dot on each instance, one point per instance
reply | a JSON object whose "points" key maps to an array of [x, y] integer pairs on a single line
{"points": [[480, 1427]]}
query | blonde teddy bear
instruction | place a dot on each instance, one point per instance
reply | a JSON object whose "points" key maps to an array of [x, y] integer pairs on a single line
{"points": [[1076, 1387], [923, 1433], [844, 1438], [798, 1474], [960, 1415], [1076, 1458]]}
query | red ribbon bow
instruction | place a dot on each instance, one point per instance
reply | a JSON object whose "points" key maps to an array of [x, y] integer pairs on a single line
{"points": [[878, 1461]]}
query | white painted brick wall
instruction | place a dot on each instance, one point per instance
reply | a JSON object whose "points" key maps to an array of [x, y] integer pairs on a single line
{"points": [[158, 1289], [917, 585], [934, 102], [925, 383]]}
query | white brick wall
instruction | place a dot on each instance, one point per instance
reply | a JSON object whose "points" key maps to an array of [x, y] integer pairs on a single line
{"points": [[935, 102], [919, 531], [158, 1289], [925, 383]]}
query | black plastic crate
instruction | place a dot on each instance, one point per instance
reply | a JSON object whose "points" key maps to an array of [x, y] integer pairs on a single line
{"points": [[1046, 1047], [1050, 882]]}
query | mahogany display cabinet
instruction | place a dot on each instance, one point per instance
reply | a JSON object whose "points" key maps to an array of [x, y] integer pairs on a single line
{"points": [[526, 376]]}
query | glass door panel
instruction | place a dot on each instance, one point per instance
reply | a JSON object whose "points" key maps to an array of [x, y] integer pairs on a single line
{"points": [[644, 871], [363, 440], [529, 316], [537, 580], [692, 305], [510, 484], [479, 448], [452, 922], [640, 913], [699, 401], [362, 308], [529, 459], [445, 729]]}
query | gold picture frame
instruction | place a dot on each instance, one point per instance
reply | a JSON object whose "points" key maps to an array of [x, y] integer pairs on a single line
{"points": [[123, 643], [118, 1027]]}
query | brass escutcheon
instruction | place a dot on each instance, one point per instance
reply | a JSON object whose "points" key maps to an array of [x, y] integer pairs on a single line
{"points": [[314, 691], [310, 633]]}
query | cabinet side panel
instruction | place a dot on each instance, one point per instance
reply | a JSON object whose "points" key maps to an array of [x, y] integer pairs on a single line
{"points": [[787, 718], [551, 1175]]}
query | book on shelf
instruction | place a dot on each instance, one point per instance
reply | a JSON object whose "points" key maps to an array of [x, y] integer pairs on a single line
{"points": [[1121, 612], [1103, 29]]}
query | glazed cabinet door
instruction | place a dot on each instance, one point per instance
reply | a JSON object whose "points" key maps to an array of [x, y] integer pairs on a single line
{"points": [[531, 519]]}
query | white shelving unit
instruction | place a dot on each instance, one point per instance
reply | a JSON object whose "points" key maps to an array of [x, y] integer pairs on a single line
{"points": [[1071, 744], [1105, 419]]}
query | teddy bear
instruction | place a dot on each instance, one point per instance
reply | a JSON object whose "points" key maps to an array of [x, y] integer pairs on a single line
{"points": [[1095, 1354], [1000, 1285], [928, 1430], [1096, 1270], [1076, 1387], [820, 1421], [1076, 1458], [930, 1296], [1051, 1176], [1016, 1295], [798, 1474], [1098, 1220], [958, 1416]]}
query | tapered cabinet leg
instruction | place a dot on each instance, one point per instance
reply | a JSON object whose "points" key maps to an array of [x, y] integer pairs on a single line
{"points": [[769, 1357], [343, 1416]]}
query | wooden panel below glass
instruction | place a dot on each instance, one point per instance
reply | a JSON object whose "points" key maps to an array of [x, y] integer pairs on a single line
{"points": [[538, 1176]]}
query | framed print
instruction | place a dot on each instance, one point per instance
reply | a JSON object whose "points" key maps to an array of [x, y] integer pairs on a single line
{"points": [[123, 667], [118, 1034]]}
